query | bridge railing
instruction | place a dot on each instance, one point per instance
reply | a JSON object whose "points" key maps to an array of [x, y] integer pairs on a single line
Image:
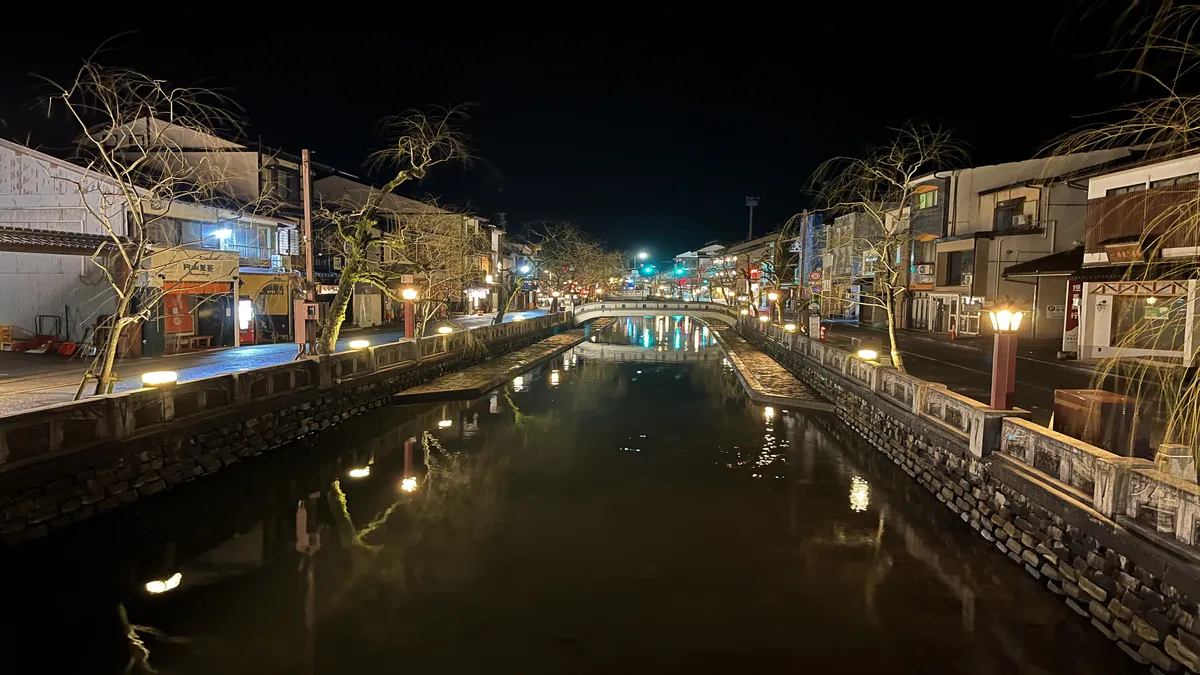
{"points": [[587, 310]]}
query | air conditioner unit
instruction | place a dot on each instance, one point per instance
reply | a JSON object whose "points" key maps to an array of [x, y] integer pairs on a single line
{"points": [[967, 279], [926, 268]]}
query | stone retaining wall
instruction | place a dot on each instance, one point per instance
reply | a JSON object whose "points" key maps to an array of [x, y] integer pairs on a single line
{"points": [[66, 463], [1072, 522]]}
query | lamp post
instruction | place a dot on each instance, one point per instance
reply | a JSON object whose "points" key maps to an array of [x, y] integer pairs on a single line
{"points": [[773, 306], [410, 311], [1005, 322]]}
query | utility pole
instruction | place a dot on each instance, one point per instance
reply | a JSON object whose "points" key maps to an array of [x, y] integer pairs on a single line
{"points": [[310, 326], [751, 202], [803, 271]]}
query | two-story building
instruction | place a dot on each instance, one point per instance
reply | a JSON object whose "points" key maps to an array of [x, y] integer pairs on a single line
{"points": [[969, 226], [848, 267], [1136, 295], [251, 210]]}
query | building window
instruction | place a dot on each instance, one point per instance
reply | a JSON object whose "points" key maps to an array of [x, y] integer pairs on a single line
{"points": [[927, 199], [1141, 322], [1125, 189], [959, 266], [1010, 215], [283, 184], [1175, 180]]}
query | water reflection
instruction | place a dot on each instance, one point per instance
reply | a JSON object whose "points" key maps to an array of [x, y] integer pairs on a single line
{"points": [[588, 515]]}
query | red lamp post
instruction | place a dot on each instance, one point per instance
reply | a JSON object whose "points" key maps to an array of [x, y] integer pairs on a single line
{"points": [[1006, 321], [410, 312]]}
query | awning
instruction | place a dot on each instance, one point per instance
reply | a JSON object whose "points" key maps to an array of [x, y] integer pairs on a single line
{"points": [[1139, 272], [1061, 264], [25, 240]]}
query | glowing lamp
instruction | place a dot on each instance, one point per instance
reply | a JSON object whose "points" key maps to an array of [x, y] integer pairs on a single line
{"points": [[868, 354], [524, 269], [772, 296], [445, 423], [359, 344], [555, 294], [445, 330], [764, 318], [409, 484], [162, 586], [1006, 319], [360, 472], [160, 378], [789, 327], [409, 294], [745, 312]]}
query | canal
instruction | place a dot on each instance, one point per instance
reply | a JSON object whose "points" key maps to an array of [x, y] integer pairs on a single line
{"points": [[622, 508]]}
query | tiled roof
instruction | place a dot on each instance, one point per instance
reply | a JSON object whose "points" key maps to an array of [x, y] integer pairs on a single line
{"points": [[20, 239]]}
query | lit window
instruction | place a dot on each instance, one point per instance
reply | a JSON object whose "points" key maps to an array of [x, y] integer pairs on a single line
{"points": [[927, 199]]}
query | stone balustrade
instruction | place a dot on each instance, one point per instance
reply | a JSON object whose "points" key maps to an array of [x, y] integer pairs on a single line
{"points": [[1168, 504], [68, 427], [1096, 475]]}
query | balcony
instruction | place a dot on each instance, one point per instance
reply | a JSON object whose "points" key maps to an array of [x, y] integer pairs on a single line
{"points": [[257, 256], [1169, 214]]}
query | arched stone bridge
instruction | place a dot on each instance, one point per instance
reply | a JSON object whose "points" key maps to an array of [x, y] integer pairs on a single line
{"points": [[710, 311]]}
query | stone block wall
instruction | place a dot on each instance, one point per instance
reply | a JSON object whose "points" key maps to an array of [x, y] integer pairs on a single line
{"points": [[278, 405], [1134, 590]]}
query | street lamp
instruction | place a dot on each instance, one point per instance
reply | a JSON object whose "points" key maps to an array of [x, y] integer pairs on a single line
{"points": [[1006, 321], [410, 311], [359, 344], [642, 255]]}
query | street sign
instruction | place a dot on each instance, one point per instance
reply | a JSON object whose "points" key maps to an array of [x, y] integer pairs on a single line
{"points": [[814, 306], [814, 275], [815, 289], [796, 246]]}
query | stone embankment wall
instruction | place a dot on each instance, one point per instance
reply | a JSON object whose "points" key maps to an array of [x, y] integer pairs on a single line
{"points": [[66, 463], [1115, 537]]}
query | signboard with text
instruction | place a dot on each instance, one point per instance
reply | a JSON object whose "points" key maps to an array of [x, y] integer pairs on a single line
{"points": [[1070, 340]]}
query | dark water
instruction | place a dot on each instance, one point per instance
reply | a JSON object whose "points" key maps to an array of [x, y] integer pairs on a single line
{"points": [[621, 509]]}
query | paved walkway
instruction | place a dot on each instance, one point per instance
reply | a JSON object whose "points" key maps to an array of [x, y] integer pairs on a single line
{"points": [[34, 380], [492, 373], [765, 380]]}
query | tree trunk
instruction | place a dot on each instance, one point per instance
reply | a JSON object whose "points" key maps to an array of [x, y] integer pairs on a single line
{"points": [[897, 359], [108, 356], [505, 301], [337, 312]]}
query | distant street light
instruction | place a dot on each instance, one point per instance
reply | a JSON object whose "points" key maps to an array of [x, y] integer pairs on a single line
{"points": [[642, 255], [359, 344], [525, 269]]}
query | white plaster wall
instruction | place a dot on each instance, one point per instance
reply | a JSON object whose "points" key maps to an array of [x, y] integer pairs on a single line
{"points": [[36, 192]]}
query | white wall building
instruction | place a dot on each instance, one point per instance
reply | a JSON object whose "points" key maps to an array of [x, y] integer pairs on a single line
{"points": [[47, 237]]}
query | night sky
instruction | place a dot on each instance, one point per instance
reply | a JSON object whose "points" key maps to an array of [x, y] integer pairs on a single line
{"points": [[647, 132]]}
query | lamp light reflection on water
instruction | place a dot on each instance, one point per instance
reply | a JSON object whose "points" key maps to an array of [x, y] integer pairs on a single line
{"points": [[445, 423], [518, 383], [359, 472], [769, 414], [162, 586], [554, 375], [860, 494]]}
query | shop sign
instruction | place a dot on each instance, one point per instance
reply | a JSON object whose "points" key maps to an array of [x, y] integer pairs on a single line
{"points": [[327, 289], [1070, 341], [192, 265]]}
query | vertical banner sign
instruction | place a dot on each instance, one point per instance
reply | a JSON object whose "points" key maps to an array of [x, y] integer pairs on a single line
{"points": [[1070, 340]]}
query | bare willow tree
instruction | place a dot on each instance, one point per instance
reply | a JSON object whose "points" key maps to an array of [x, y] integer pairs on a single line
{"points": [[444, 253], [881, 184], [133, 147], [509, 282], [1157, 47], [421, 140], [574, 262]]}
